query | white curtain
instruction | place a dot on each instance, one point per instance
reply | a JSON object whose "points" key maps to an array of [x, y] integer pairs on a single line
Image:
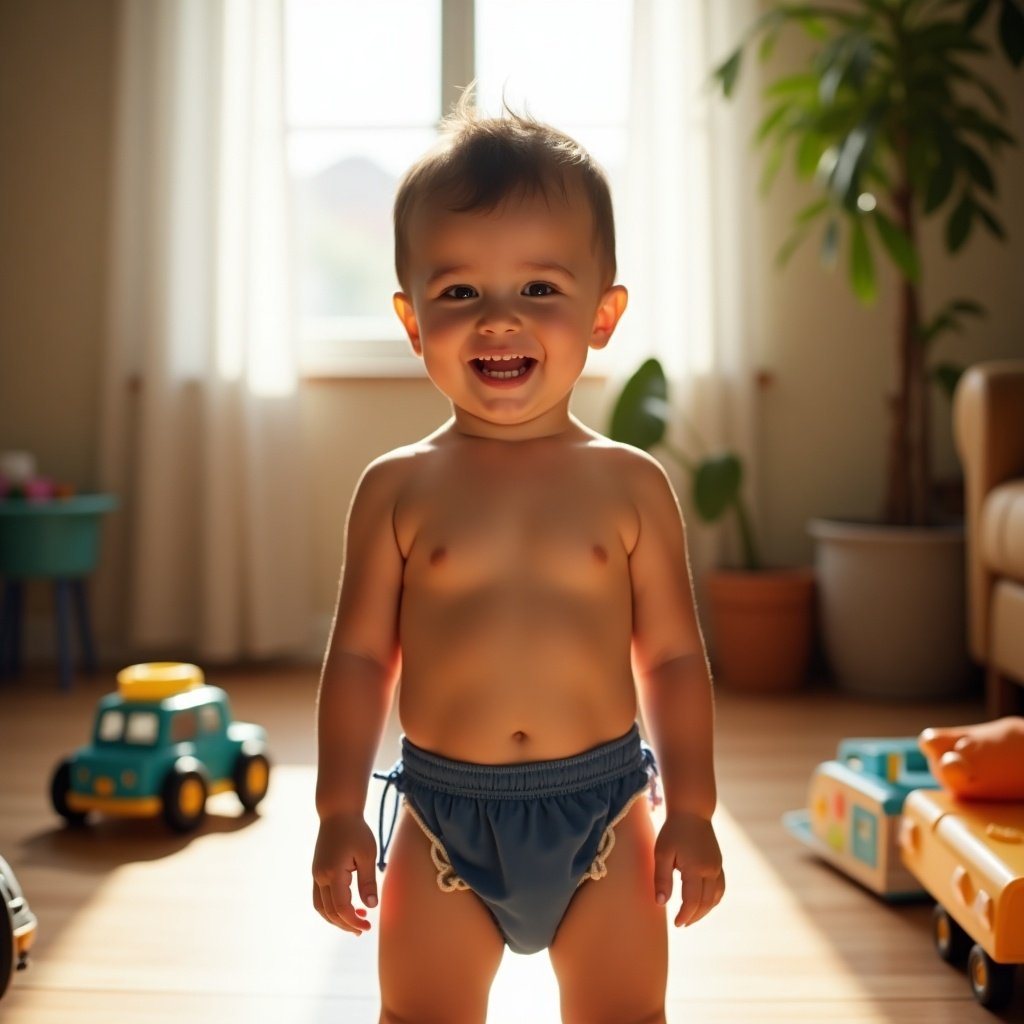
{"points": [[201, 420], [685, 237]]}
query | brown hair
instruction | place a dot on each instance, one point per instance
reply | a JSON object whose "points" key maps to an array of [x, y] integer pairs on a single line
{"points": [[480, 162]]}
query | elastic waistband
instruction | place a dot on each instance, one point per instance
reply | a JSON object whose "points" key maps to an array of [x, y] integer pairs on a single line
{"points": [[605, 763]]}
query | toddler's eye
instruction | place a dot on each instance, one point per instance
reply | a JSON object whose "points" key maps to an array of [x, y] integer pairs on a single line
{"points": [[538, 289], [459, 291]]}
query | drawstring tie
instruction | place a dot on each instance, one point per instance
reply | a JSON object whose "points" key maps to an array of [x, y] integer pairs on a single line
{"points": [[390, 779]]}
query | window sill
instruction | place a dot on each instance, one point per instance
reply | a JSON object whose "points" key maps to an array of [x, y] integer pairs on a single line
{"points": [[332, 358], [360, 359]]}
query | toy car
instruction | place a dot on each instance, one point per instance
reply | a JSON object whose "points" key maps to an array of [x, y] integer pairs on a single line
{"points": [[970, 858], [161, 744], [17, 929], [854, 806]]}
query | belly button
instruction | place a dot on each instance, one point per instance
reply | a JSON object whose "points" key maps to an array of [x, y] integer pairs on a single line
{"points": [[600, 554], [437, 556], [519, 736]]}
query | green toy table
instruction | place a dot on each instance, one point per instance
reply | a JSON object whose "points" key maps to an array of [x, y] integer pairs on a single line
{"points": [[57, 540]]}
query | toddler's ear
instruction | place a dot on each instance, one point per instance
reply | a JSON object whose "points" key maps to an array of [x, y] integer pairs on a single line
{"points": [[610, 308], [403, 307]]}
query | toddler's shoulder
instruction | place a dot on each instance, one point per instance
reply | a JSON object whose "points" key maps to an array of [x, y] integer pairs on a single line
{"points": [[388, 474], [630, 463]]}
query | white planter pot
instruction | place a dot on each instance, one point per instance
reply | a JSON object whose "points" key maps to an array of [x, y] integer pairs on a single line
{"points": [[893, 608]]}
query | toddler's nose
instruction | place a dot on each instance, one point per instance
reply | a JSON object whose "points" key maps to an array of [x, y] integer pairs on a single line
{"points": [[498, 318]]}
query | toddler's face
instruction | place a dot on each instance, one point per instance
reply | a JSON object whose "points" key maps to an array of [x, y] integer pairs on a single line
{"points": [[503, 306]]}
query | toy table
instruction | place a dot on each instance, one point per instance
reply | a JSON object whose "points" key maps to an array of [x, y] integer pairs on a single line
{"points": [[58, 540]]}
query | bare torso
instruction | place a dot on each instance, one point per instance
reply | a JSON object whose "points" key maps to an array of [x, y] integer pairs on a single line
{"points": [[516, 618]]}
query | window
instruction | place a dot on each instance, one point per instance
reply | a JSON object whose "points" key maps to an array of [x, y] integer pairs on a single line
{"points": [[111, 727], [143, 728], [366, 85], [184, 726], [209, 720]]}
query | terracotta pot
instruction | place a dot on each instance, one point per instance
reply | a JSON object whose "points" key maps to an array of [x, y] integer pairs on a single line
{"points": [[762, 626]]}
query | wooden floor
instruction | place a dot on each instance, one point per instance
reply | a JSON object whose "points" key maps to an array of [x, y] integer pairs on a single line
{"points": [[137, 926]]}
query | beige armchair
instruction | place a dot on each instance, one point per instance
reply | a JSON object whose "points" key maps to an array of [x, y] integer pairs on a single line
{"points": [[988, 412]]}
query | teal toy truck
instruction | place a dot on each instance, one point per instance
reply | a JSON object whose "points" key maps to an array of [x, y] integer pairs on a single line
{"points": [[161, 745]]}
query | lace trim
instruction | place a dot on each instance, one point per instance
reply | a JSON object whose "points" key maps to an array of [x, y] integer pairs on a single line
{"points": [[447, 880], [598, 868]]}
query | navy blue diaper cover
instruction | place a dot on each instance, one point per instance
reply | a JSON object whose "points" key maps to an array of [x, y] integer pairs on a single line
{"points": [[523, 837]]}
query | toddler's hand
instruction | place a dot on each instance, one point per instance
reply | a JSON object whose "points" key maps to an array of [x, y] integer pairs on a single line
{"points": [[345, 847], [687, 844]]}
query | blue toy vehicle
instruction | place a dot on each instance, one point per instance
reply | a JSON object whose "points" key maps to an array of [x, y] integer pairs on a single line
{"points": [[162, 744], [854, 810], [17, 926]]}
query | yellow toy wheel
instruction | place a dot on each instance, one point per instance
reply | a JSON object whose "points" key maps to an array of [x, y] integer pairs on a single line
{"points": [[951, 941], [184, 796], [155, 680], [252, 777], [991, 982]]}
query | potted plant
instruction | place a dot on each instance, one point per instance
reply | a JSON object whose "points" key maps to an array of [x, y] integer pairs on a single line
{"points": [[761, 619], [894, 121]]}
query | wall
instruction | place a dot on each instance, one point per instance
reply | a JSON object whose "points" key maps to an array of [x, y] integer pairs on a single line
{"points": [[820, 420], [56, 96]]}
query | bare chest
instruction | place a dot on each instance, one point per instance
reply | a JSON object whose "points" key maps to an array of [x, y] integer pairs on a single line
{"points": [[473, 528]]}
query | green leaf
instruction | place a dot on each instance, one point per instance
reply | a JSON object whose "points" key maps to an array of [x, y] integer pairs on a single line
{"points": [[1011, 31], [977, 167], [854, 152], [946, 376], [771, 122], [728, 72], [862, 265], [898, 245], [772, 163], [641, 413], [943, 174], [830, 243], [967, 307], [975, 13], [949, 318], [958, 227], [716, 485], [991, 221], [808, 154], [803, 85]]}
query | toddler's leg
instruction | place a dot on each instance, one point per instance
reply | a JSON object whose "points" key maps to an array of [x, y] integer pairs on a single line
{"points": [[981, 762], [439, 951], [611, 950]]}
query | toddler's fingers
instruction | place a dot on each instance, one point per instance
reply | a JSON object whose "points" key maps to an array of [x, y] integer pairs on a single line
{"points": [[663, 867], [366, 879], [937, 741], [709, 894], [954, 771]]}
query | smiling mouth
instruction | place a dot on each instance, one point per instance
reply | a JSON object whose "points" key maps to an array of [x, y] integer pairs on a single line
{"points": [[507, 367]]}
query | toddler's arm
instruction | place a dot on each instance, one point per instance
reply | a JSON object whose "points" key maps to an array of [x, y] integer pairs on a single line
{"points": [[356, 691], [675, 695]]}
